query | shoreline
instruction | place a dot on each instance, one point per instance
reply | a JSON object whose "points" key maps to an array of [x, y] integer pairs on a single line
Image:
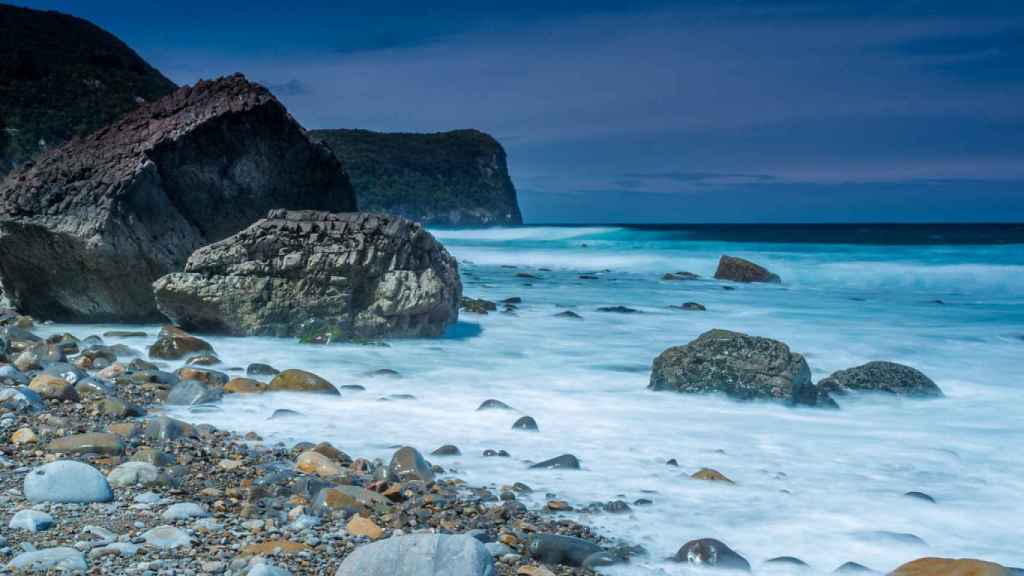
{"points": [[237, 499]]}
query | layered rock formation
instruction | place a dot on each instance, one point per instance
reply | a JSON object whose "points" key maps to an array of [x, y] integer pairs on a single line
{"points": [[457, 177], [740, 366], [61, 76], [87, 229], [319, 276]]}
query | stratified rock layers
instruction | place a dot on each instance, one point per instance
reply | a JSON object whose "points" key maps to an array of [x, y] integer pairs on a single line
{"points": [[320, 276]]}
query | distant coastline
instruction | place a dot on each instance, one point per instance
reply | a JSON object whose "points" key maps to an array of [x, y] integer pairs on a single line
{"points": [[877, 233]]}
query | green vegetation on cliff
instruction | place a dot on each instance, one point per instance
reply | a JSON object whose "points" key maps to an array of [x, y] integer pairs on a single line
{"points": [[457, 177], [61, 76]]}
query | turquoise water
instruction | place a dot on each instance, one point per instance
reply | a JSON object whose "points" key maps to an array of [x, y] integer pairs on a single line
{"points": [[824, 486]]}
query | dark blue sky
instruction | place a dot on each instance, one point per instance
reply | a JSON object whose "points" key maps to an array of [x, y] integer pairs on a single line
{"points": [[656, 111]]}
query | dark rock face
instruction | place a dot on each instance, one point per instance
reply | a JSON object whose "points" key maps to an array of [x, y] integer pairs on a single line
{"points": [[711, 553], [741, 366], [320, 276], [61, 76], [888, 377], [458, 177], [740, 270], [87, 229]]}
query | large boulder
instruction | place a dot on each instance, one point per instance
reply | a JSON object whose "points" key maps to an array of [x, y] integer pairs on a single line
{"points": [[740, 366], [420, 555], [319, 276], [86, 230], [740, 270], [879, 376], [711, 553]]}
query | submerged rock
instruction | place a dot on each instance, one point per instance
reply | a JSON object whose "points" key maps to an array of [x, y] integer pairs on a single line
{"points": [[677, 276], [526, 423], [447, 450], [888, 377], [492, 404], [711, 553], [618, 309], [320, 276], [259, 369], [711, 475], [420, 555], [920, 496], [564, 462], [131, 201], [951, 567], [477, 305], [740, 270], [741, 366]]}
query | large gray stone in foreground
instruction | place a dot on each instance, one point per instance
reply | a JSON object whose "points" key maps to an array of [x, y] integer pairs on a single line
{"points": [[880, 376], [67, 481], [319, 276], [741, 366], [420, 555], [59, 559]]}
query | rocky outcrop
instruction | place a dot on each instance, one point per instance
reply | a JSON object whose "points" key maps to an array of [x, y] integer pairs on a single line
{"points": [[740, 270], [457, 177], [319, 276], [740, 366], [61, 76], [888, 377], [87, 229]]}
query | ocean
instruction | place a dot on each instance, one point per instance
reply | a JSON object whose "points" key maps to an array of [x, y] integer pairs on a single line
{"points": [[823, 486]]}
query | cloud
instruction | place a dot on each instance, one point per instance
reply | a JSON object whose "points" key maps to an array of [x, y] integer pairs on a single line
{"points": [[684, 99]]}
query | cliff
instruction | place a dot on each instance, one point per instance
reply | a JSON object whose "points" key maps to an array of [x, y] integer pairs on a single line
{"points": [[61, 76], [87, 228], [457, 177]]}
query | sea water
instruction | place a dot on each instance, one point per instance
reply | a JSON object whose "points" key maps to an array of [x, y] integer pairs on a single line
{"points": [[824, 486]]}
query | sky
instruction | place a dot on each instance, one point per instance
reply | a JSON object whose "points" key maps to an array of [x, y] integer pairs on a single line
{"points": [[785, 111]]}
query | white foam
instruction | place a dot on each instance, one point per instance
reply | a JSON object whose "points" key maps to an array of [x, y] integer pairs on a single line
{"points": [[585, 383]]}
